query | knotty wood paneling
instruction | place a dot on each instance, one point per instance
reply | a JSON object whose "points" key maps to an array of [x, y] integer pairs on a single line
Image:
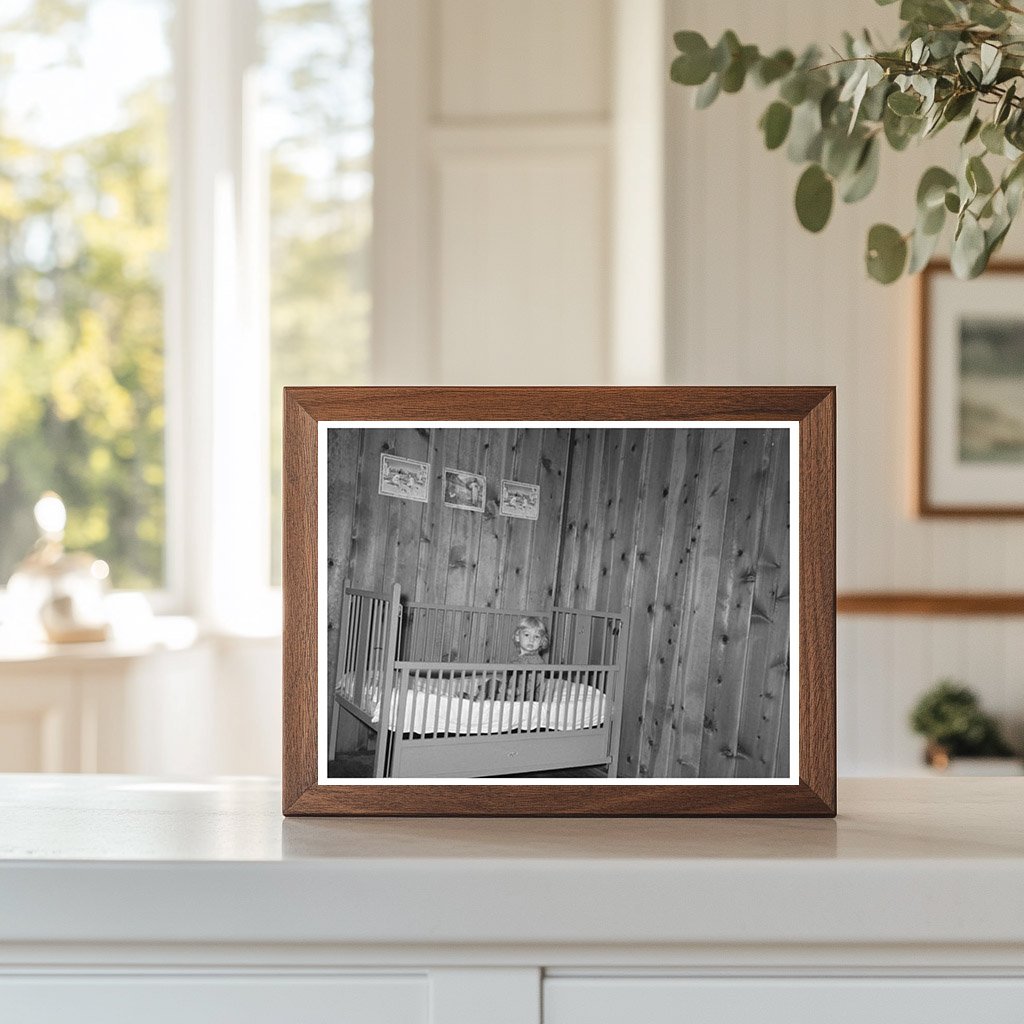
{"points": [[683, 531]]}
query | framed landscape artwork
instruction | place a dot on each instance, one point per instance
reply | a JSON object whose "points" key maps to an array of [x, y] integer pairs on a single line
{"points": [[625, 606], [970, 445]]}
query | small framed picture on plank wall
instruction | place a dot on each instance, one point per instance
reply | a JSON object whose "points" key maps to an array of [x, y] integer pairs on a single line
{"points": [[622, 606], [970, 444]]}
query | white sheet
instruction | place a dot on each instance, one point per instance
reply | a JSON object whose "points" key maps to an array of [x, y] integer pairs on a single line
{"points": [[580, 707]]}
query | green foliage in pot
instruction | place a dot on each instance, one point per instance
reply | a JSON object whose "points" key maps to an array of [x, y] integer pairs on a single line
{"points": [[957, 62], [950, 717]]}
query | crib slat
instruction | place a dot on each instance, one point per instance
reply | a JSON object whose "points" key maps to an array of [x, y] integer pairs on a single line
{"points": [[552, 700], [518, 696], [550, 687], [496, 684], [448, 703], [413, 697]]}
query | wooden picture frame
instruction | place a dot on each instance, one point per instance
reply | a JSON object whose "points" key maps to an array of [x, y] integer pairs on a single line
{"points": [[682, 419], [948, 483]]}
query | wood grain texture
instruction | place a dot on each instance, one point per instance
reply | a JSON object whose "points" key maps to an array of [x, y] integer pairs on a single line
{"points": [[609, 553], [928, 603], [299, 597]]}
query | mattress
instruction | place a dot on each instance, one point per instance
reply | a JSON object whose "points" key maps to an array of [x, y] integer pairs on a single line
{"points": [[579, 707]]}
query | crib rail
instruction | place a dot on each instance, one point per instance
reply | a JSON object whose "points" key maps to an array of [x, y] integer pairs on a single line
{"points": [[445, 633], [366, 648], [569, 698]]}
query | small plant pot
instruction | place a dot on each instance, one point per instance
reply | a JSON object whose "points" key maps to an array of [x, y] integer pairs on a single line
{"points": [[937, 757], [942, 762]]}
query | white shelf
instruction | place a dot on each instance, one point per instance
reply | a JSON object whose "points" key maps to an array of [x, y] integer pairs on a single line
{"points": [[124, 859], [124, 895]]}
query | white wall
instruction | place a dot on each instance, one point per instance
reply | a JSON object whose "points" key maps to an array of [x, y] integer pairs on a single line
{"points": [[754, 299], [508, 154], [497, 210]]}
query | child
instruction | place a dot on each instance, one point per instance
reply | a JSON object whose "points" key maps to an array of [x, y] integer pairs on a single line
{"points": [[531, 640]]}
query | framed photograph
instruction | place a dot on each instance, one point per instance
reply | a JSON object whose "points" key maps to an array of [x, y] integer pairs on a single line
{"points": [[520, 501], [656, 638], [464, 490], [403, 478], [970, 444]]}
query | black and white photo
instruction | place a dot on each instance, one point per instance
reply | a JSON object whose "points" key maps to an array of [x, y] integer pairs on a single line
{"points": [[519, 500], [464, 490], [618, 608], [403, 478]]}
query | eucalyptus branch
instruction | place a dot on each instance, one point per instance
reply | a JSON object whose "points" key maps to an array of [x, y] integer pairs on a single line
{"points": [[954, 59]]}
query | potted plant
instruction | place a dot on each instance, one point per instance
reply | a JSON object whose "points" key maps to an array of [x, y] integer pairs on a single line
{"points": [[956, 62], [950, 717]]}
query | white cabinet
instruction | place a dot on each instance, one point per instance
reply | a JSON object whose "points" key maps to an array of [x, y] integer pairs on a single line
{"points": [[130, 898], [202, 999], [823, 1000]]}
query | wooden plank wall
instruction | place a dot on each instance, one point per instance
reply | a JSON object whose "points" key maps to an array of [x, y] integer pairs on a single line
{"points": [[686, 531]]}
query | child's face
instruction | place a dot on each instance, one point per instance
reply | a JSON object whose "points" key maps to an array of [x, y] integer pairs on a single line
{"points": [[531, 638]]}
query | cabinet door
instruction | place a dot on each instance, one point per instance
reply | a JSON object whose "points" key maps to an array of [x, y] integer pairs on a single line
{"points": [[205, 999], [783, 1000]]}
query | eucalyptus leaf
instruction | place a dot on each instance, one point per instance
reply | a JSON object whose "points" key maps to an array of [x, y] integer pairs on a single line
{"points": [[931, 190], [973, 130], [814, 196], [805, 133], [932, 221], [1014, 192], [735, 74], [840, 152], [771, 69], [922, 248], [987, 15], [707, 93], [1005, 105], [991, 60], [900, 130], [995, 233], [1013, 187], [904, 103], [968, 247], [933, 122], [978, 176], [873, 106], [865, 173], [993, 138], [724, 51], [958, 105], [794, 88], [886, 253], [828, 104], [775, 124]]}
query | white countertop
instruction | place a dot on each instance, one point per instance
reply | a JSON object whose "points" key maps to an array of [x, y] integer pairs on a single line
{"points": [[119, 859]]}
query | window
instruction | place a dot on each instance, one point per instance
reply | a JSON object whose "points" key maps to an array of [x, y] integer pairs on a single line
{"points": [[83, 236], [185, 221], [317, 117]]}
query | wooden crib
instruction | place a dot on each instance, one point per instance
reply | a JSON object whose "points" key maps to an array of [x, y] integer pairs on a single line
{"points": [[411, 673]]}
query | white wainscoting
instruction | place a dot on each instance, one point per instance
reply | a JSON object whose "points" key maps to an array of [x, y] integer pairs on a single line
{"points": [[507, 135], [754, 299]]}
